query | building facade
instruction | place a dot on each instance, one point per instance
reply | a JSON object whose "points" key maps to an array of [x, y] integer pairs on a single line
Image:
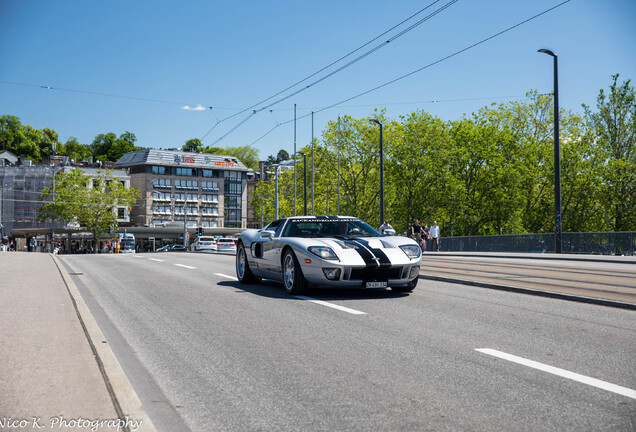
{"points": [[21, 188], [198, 189]]}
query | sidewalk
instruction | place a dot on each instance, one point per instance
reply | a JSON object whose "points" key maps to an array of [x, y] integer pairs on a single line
{"points": [[51, 360], [596, 279]]}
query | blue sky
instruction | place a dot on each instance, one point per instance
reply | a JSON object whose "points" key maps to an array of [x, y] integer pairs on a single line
{"points": [[133, 66]]}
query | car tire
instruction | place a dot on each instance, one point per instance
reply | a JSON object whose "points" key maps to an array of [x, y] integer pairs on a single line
{"points": [[408, 288], [293, 278], [243, 271]]}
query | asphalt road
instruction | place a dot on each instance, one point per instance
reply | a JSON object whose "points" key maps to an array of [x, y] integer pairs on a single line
{"points": [[205, 353]]}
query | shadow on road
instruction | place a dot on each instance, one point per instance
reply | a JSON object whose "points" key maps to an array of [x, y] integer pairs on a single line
{"points": [[272, 289]]}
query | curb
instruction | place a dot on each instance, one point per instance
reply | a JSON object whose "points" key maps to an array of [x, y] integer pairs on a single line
{"points": [[125, 400], [549, 294], [538, 256]]}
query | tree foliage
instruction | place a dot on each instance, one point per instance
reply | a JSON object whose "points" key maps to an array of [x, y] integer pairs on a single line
{"points": [[90, 201], [489, 173], [109, 147]]}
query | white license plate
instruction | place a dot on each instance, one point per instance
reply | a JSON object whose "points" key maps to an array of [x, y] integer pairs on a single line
{"points": [[376, 284]]}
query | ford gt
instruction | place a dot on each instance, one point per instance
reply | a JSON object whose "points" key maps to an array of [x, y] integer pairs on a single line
{"points": [[329, 252]]}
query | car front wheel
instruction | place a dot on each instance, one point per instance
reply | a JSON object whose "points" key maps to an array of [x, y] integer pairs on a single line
{"points": [[408, 288], [293, 278], [243, 272]]}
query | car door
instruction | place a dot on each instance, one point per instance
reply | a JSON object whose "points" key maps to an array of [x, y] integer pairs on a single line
{"points": [[270, 249]]}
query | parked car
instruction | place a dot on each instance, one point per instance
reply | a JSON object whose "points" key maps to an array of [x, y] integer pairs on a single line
{"points": [[203, 244], [327, 251], [173, 248], [226, 244]]}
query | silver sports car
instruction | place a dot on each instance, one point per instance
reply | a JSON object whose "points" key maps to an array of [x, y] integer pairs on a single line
{"points": [[327, 251]]}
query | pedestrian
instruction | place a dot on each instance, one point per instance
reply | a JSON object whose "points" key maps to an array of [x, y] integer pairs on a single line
{"points": [[434, 233], [416, 231], [385, 226], [425, 236]]}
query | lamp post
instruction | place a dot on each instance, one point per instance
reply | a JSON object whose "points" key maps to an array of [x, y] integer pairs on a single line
{"points": [[381, 171], [557, 156], [305, 177], [276, 174]]}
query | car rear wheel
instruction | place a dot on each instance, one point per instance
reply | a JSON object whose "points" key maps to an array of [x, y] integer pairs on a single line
{"points": [[243, 271], [293, 278]]}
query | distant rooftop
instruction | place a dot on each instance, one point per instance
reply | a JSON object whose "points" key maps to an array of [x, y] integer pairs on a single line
{"points": [[180, 159]]}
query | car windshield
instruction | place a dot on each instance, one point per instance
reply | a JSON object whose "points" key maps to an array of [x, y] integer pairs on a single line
{"points": [[339, 228]]}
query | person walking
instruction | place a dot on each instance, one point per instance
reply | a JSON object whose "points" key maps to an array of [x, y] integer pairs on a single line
{"points": [[434, 233], [425, 237]]}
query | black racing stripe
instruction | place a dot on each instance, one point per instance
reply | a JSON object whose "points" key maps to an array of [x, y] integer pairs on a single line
{"points": [[364, 252], [384, 260]]}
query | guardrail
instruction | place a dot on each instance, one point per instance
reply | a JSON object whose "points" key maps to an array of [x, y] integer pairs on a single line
{"points": [[599, 243]]}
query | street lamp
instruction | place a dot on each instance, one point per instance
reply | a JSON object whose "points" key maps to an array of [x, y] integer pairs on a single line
{"points": [[381, 171], [305, 177], [276, 174], [557, 156]]}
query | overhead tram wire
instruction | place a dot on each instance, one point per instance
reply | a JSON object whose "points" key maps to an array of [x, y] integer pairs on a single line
{"points": [[337, 61], [357, 59], [424, 67]]}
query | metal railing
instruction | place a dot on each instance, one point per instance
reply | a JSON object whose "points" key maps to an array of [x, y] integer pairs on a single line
{"points": [[599, 243]]}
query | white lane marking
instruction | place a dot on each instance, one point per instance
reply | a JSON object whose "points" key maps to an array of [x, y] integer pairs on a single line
{"points": [[137, 256], [155, 259], [332, 305], [186, 266], [226, 276], [562, 373], [313, 300]]}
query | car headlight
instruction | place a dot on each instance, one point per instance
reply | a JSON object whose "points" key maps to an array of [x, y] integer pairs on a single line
{"points": [[411, 251], [323, 252]]}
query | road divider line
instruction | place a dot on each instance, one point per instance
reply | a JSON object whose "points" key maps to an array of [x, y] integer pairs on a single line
{"points": [[186, 266], [332, 305], [226, 276], [313, 300], [624, 391], [155, 259]]}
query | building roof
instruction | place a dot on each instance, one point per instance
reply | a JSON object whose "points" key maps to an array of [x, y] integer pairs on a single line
{"points": [[180, 159]]}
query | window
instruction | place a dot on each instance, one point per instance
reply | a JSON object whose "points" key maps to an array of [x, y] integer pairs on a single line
{"points": [[209, 199], [162, 183], [161, 209], [179, 197], [161, 196], [160, 170], [186, 184], [210, 186], [209, 211], [184, 172], [209, 173], [121, 213]]}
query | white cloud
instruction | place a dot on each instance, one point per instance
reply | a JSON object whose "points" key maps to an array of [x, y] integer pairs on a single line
{"points": [[196, 108]]}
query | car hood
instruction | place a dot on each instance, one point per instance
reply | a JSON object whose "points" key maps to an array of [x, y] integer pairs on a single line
{"points": [[364, 251]]}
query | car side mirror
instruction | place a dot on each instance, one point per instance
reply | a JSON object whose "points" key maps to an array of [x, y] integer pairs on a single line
{"points": [[389, 232], [267, 234]]}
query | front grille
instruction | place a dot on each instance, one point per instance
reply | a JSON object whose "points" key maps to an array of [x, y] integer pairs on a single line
{"points": [[379, 273]]}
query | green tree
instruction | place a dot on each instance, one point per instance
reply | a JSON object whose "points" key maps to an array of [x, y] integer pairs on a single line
{"points": [[109, 147], [89, 200], [246, 154], [193, 145], [613, 129], [21, 140], [74, 150]]}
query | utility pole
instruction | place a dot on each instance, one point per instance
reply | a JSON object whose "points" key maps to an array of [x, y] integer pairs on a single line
{"points": [[339, 143], [295, 173], [313, 211]]}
